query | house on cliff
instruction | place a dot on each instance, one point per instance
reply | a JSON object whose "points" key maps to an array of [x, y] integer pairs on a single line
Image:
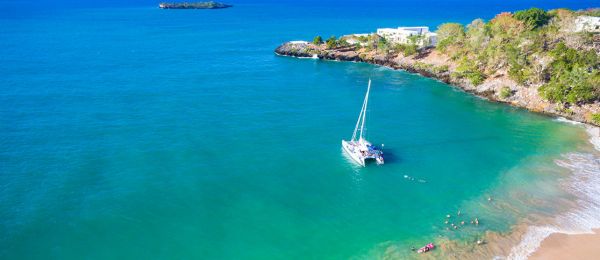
{"points": [[405, 35]]}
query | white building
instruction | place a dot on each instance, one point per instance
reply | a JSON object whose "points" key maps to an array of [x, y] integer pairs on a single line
{"points": [[587, 24], [403, 35]]}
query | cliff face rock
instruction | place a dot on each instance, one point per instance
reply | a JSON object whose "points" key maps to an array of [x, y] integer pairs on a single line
{"points": [[298, 49], [433, 64]]}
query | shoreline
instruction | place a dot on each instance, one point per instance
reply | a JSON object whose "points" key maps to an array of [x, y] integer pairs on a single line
{"points": [[526, 239], [570, 234], [569, 246], [428, 64]]}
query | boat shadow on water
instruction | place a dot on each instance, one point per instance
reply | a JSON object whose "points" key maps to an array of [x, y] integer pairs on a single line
{"points": [[390, 157]]}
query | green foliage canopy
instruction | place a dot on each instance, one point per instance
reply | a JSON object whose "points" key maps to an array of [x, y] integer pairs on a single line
{"points": [[533, 17], [318, 40]]}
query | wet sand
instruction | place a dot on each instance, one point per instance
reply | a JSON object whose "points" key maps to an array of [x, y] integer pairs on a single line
{"points": [[575, 247]]}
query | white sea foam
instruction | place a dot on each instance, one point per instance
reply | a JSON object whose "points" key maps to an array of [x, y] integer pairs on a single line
{"points": [[594, 136], [564, 120], [530, 242], [584, 183], [309, 58]]}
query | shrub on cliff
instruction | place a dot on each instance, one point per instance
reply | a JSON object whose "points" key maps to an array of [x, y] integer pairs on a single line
{"points": [[382, 45], [533, 17], [318, 40], [468, 69], [574, 86], [533, 47], [505, 92], [450, 34], [440, 69], [342, 42], [477, 35], [575, 76], [596, 118], [331, 42]]}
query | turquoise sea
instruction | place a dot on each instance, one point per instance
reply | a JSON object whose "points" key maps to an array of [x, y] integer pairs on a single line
{"points": [[132, 132]]}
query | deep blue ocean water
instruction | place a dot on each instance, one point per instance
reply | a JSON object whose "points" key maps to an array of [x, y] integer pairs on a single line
{"points": [[132, 132]]}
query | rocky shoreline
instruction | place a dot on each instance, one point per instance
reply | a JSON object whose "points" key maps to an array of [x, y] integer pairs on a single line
{"points": [[433, 64], [196, 5]]}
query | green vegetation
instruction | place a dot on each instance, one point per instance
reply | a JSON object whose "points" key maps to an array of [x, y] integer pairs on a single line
{"points": [[505, 92], [318, 40], [440, 69], [342, 42], [406, 49], [576, 78], [331, 42], [382, 44], [468, 69], [374, 42], [533, 17], [532, 47], [422, 66], [596, 118], [450, 34]]}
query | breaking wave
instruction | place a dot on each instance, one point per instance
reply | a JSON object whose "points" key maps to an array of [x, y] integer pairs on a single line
{"points": [[583, 184]]}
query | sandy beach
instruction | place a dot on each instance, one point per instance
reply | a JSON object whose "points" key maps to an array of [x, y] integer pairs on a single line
{"points": [[563, 246]]}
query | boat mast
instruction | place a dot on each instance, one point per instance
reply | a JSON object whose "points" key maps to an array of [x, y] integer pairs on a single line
{"points": [[358, 122], [364, 112], [361, 115]]}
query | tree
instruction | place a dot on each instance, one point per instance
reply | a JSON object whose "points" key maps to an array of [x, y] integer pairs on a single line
{"points": [[575, 86], [450, 34], [318, 40], [468, 69], [331, 42], [382, 44], [343, 42], [533, 17], [506, 26], [575, 76], [477, 34]]}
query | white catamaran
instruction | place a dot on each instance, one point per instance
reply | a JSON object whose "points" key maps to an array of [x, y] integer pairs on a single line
{"points": [[360, 149]]}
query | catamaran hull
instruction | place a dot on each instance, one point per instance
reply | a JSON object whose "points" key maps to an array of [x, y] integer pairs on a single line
{"points": [[354, 156]]}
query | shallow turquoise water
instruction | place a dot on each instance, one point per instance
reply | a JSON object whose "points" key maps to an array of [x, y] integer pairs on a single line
{"points": [[135, 132]]}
